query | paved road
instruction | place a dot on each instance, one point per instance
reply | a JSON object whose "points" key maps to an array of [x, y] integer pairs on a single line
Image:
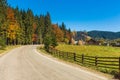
{"points": [[25, 63]]}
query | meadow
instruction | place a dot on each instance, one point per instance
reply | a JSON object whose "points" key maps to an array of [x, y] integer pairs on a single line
{"points": [[91, 50]]}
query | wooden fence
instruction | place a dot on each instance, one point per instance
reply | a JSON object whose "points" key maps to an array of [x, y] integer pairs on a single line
{"points": [[111, 63]]}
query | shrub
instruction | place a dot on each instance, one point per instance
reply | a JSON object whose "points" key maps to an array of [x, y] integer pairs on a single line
{"points": [[50, 41]]}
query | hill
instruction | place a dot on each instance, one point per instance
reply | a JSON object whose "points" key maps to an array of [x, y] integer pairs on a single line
{"points": [[104, 34], [100, 34]]}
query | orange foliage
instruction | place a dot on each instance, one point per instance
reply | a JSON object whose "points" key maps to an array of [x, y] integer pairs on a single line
{"points": [[68, 35], [12, 26], [34, 37], [58, 33], [10, 14]]}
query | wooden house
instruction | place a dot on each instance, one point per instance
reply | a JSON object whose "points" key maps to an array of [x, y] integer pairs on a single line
{"points": [[92, 42]]}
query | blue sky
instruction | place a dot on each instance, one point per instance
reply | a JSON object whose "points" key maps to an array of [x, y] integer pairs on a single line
{"points": [[77, 14]]}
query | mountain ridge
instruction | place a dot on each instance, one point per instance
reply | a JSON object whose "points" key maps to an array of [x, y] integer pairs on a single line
{"points": [[95, 34]]}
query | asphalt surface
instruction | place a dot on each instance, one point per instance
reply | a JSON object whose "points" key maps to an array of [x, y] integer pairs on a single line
{"points": [[25, 63]]}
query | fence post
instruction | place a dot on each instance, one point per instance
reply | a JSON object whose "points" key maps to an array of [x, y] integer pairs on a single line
{"points": [[67, 55], [63, 54], [55, 51], [74, 56], [51, 51], [82, 58], [119, 68], [58, 53], [96, 61]]}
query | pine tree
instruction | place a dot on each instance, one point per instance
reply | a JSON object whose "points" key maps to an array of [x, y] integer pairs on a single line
{"points": [[42, 28], [49, 38], [3, 23]]}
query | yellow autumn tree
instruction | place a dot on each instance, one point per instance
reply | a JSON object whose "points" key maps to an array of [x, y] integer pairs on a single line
{"points": [[13, 27]]}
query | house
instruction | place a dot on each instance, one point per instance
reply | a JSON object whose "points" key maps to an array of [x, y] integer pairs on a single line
{"points": [[92, 42], [115, 44]]}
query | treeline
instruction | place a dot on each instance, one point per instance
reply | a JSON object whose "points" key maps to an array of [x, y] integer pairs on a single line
{"points": [[23, 27]]}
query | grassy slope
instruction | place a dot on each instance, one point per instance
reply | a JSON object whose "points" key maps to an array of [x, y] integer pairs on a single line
{"points": [[8, 48], [91, 50]]}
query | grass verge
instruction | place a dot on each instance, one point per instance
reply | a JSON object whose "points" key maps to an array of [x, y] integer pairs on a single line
{"points": [[7, 49]]}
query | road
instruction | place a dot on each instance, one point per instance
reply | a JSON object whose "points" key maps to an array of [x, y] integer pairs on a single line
{"points": [[25, 63]]}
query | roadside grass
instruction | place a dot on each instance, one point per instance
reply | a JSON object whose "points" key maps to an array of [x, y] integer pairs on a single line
{"points": [[91, 50], [41, 49], [8, 48]]}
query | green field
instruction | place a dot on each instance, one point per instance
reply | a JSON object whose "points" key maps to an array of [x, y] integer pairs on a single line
{"points": [[91, 50]]}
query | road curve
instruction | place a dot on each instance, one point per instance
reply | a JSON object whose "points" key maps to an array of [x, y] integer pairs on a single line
{"points": [[25, 63]]}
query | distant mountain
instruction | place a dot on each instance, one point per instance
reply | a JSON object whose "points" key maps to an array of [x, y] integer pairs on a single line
{"points": [[100, 34], [104, 34], [81, 36]]}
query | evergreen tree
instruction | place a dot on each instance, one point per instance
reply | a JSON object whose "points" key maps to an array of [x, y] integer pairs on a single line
{"points": [[49, 38], [54, 41], [42, 28], [63, 27], [47, 41], [2, 43], [3, 23], [48, 28]]}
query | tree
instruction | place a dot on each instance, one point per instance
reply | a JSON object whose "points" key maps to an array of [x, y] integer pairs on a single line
{"points": [[42, 27], [58, 33], [48, 27], [47, 41], [20, 33], [66, 33], [13, 27], [49, 38], [54, 41], [69, 36], [63, 28], [50, 41], [2, 43], [34, 35], [3, 23]]}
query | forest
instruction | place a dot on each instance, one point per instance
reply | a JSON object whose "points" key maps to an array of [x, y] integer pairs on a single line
{"points": [[21, 27]]}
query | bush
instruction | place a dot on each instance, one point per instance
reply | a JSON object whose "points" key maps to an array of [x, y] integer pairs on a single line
{"points": [[47, 42], [50, 41]]}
